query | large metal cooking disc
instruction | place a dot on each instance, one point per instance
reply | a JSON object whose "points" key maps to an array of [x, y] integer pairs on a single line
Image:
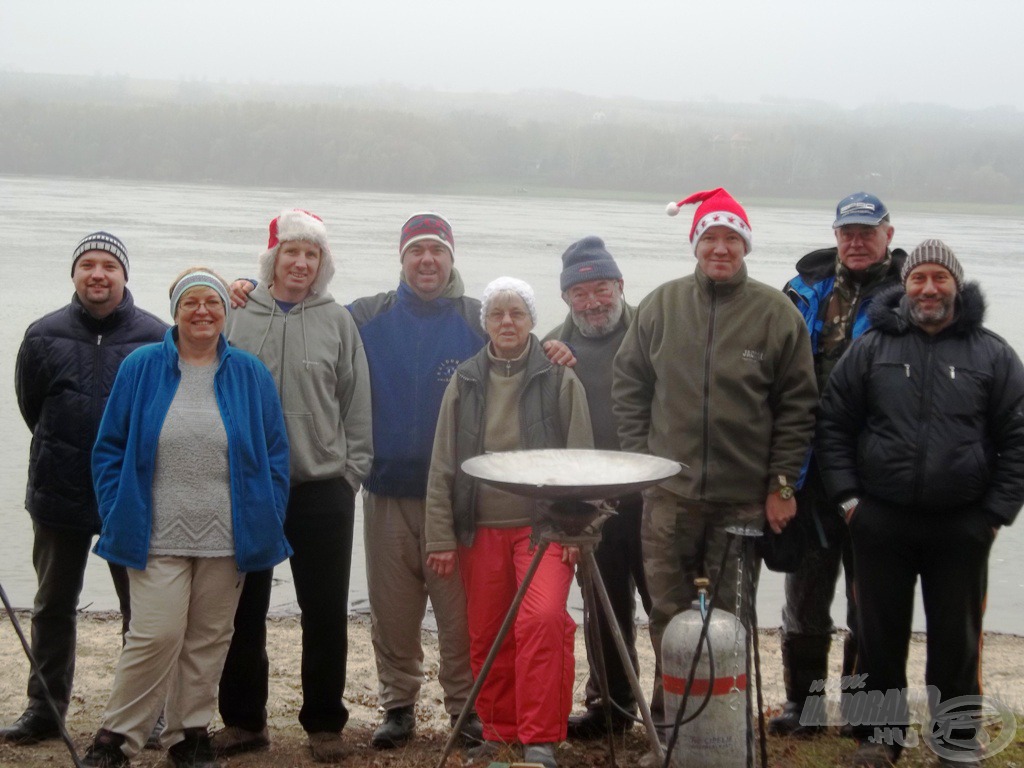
{"points": [[565, 473]]}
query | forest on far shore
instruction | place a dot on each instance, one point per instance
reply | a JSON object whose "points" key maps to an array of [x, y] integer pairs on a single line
{"points": [[388, 138]]}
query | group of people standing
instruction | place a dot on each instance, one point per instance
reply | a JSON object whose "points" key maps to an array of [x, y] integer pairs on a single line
{"points": [[206, 453]]}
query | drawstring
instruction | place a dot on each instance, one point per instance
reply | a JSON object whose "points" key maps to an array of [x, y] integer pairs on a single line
{"points": [[270, 322], [305, 346]]}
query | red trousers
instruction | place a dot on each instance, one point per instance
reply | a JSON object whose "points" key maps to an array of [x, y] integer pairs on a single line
{"points": [[527, 695]]}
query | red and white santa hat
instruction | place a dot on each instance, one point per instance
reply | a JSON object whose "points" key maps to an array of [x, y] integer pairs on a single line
{"points": [[298, 224], [717, 209]]}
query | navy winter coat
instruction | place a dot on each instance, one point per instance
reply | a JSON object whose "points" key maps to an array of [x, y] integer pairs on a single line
{"points": [[65, 369]]}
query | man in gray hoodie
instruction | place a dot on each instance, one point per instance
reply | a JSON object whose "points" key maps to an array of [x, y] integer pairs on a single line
{"points": [[312, 347]]}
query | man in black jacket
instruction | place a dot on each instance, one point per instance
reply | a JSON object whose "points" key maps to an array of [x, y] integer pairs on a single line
{"points": [[65, 368], [921, 442]]}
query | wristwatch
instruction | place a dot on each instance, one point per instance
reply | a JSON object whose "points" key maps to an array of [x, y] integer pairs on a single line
{"points": [[786, 490], [848, 505]]}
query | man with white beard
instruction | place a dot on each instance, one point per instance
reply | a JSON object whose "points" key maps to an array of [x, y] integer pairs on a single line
{"points": [[592, 285]]}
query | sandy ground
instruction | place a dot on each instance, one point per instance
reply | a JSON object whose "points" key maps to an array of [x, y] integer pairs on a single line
{"points": [[99, 645]]}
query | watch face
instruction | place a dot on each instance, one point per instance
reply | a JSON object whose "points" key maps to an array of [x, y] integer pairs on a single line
{"points": [[786, 492]]}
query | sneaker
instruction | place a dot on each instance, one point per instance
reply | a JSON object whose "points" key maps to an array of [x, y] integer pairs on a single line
{"points": [[472, 730], [232, 740], [194, 751], [153, 742], [542, 754], [105, 751], [397, 728], [327, 746], [30, 728]]}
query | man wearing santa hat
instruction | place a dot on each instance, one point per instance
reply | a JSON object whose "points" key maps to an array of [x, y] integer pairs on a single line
{"points": [[716, 373]]}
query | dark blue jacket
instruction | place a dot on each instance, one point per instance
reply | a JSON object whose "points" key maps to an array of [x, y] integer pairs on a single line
{"points": [[412, 347], [124, 458], [65, 369]]}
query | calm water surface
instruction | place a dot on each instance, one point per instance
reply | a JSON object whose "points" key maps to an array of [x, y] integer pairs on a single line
{"points": [[169, 227]]}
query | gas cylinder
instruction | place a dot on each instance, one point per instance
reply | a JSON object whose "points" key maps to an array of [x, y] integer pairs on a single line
{"points": [[718, 735]]}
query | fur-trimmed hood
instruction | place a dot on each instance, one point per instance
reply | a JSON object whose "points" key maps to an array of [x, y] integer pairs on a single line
{"points": [[890, 312]]}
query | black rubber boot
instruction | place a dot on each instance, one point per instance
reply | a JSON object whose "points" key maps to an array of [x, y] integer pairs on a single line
{"points": [[804, 662]]}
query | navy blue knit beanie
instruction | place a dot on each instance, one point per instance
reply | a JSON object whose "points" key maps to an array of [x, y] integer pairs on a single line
{"points": [[585, 260]]}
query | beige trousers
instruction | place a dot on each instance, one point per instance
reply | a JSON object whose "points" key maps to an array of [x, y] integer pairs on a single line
{"points": [[399, 583], [182, 620]]}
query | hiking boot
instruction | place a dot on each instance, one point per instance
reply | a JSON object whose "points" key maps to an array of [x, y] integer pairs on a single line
{"points": [[232, 740], [30, 728], [592, 724], [105, 751], [194, 751], [542, 754], [397, 728], [327, 746], [472, 730]]}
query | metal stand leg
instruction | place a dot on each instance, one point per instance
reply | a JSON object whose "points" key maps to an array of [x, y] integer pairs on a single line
{"points": [[35, 668], [592, 574], [590, 627], [506, 625]]}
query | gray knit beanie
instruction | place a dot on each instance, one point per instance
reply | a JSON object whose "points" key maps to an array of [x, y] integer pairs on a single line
{"points": [[933, 251], [586, 260]]}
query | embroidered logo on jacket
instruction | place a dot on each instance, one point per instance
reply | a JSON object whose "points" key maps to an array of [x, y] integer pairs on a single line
{"points": [[446, 370], [754, 355]]}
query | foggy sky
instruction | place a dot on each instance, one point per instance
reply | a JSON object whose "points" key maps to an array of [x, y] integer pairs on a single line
{"points": [[965, 55]]}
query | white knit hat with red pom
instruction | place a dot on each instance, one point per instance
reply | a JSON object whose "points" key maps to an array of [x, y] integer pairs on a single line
{"points": [[717, 209]]}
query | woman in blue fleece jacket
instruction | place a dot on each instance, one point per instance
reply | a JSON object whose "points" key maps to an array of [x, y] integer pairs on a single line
{"points": [[191, 474]]}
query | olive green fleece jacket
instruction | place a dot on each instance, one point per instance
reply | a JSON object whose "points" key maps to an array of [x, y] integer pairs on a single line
{"points": [[720, 377], [315, 355]]}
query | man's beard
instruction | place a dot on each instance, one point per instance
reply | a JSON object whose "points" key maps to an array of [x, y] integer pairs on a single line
{"points": [[942, 311], [591, 331]]}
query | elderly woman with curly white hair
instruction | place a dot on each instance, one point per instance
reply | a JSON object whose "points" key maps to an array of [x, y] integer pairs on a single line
{"points": [[508, 397]]}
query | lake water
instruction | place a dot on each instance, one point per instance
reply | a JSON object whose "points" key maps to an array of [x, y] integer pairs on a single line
{"points": [[168, 227]]}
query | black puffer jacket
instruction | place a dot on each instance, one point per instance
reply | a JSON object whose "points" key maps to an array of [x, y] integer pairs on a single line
{"points": [[926, 422], [66, 367]]}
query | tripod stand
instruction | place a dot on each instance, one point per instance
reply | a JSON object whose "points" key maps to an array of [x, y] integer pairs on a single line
{"points": [[569, 521]]}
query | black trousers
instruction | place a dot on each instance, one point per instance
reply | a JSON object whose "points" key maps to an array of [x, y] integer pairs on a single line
{"points": [[948, 550], [59, 556], [318, 525], [620, 560]]}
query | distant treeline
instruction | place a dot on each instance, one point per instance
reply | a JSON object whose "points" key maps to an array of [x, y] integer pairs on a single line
{"points": [[906, 152]]}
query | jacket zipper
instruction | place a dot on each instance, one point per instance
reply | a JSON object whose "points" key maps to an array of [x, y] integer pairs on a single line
{"points": [[922, 419], [706, 423]]}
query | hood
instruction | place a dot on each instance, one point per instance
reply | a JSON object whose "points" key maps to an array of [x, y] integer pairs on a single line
{"points": [[890, 314], [453, 290]]}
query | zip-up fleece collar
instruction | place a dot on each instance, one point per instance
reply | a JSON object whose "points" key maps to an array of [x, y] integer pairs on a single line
{"points": [[721, 288]]}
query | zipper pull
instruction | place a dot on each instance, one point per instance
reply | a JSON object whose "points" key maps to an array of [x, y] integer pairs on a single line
{"points": [[99, 339], [907, 367], [952, 372]]}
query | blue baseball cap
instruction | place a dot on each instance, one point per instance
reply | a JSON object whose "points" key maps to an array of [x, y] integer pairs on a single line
{"points": [[860, 208]]}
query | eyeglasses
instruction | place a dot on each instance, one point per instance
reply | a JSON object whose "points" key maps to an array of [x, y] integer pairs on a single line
{"points": [[191, 305], [498, 315]]}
